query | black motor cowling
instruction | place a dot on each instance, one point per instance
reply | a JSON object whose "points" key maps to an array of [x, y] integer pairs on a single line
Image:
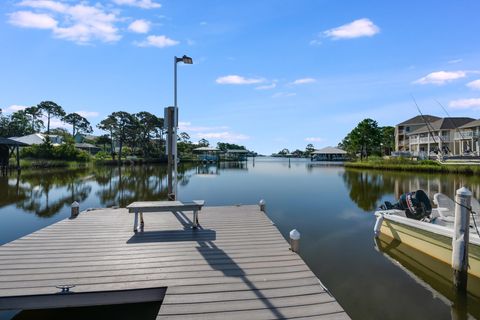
{"points": [[416, 205]]}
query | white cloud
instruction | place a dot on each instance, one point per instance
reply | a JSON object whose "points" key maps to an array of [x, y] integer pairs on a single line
{"points": [[144, 4], [28, 19], [475, 84], [158, 41], [304, 81], [315, 42], [314, 139], [203, 23], [187, 126], [358, 28], [284, 94], [455, 61], [80, 23], [473, 103], [267, 86], [225, 136], [139, 26], [441, 77], [88, 114], [235, 79], [14, 108]]}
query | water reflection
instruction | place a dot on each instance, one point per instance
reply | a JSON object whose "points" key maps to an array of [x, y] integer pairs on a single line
{"points": [[368, 188], [433, 275]]}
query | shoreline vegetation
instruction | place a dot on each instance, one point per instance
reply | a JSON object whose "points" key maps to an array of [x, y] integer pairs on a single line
{"points": [[403, 164]]}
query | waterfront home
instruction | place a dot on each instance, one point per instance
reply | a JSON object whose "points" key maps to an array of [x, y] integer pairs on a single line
{"points": [[452, 135]]}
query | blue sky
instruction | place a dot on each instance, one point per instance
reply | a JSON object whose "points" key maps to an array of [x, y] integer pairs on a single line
{"points": [[266, 74]]}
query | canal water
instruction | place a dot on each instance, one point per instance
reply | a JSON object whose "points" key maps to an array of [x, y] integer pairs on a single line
{"points": [[331, 206]]}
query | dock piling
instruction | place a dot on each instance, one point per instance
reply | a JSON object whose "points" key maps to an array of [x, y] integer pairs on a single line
{"points": [[294, 240], [460, 238], [262, 204], [75, 210]]}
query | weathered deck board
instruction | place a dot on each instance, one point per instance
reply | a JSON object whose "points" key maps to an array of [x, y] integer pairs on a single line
{"points": [[236, 266]]}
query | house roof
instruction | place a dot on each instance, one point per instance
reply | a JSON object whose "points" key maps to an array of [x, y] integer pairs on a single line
{"points": [[237, 151], [329, 150], [85, 145], [11, 142], [419, 120], [443, 124], [31, 139], [206, 149], [471, 124]]}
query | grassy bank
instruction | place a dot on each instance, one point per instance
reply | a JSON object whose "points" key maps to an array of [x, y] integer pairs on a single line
{"points": [[401, 164], [44, 164]]}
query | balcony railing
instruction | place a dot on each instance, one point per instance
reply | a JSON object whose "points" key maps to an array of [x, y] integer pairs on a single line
{"points": [[466, 135], [429, 139]]}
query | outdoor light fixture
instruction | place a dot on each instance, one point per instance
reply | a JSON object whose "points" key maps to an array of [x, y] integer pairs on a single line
{"points": [[187, 60], [184, 59]]}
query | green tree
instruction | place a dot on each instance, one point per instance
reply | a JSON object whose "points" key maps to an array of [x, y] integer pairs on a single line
{"points": [[79, 123], [147, 126], [35, 113], [119, 124], [19, 124], [365, 138], [387, 139], [184, 137], [108, 124], [309, 149], [224, 146], [203, 142], [104, 140], [51, 110]]}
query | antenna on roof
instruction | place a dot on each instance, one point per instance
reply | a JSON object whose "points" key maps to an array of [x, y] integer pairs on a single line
{"points": [[453, 124]]}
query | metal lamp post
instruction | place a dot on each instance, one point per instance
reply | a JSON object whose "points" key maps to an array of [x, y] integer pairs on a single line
{"points": [[186, 60]]}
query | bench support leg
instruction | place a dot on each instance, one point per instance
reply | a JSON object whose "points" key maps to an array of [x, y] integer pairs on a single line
{"points": [[135, 222], [142, 224], [195, 219]]}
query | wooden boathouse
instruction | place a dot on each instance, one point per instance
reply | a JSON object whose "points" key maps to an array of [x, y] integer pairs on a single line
{"points": [[235, 265]]}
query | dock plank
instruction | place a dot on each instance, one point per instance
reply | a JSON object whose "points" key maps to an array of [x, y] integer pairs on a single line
{"points": [[236, 265]]}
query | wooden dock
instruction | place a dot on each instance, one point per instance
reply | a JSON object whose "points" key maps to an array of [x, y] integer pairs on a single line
{"points": [[236, 265]]}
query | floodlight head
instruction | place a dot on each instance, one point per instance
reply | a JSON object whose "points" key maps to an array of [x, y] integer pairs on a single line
{"points": [[184, 59]]}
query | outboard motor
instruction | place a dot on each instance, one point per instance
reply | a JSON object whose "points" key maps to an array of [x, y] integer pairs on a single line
{"points": [[416, 205]]}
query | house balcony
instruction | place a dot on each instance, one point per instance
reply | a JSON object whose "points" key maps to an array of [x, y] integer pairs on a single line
{"points": [[466, 135], [429, 139]]}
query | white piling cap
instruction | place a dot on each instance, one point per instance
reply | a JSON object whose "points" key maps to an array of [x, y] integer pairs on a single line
{"points": [[464, 192], [294, 234], [262, 202], [75, 204]]}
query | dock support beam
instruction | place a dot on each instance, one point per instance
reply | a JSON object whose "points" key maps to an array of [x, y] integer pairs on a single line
{"points": [[294, 240], [460, 239]]}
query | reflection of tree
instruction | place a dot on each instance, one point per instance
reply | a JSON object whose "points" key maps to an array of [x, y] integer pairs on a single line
{"points": [[11, 191], [40, 186], [367, 188]]}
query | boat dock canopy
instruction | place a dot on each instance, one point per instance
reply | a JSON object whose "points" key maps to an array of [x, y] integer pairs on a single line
{"points": [[237, 265]]}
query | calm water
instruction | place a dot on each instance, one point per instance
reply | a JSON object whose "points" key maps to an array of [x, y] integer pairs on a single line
{"points": [[332, 208]]}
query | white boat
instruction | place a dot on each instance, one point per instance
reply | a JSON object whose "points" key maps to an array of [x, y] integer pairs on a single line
{"points": [[433, 234]]}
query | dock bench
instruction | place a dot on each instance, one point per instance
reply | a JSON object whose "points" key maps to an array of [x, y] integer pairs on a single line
{"points": [[139, 207]]}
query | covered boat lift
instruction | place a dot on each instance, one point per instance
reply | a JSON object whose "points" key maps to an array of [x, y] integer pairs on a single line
{"points": [[329, 154], [8, 148], [207, 154]]}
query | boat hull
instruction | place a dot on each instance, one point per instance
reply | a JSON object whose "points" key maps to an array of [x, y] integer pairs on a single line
{"points": [[430, 239]]}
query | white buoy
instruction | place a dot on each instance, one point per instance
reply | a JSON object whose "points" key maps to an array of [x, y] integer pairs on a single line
{"points": [[460, 239], [378, 225], [262, 204], [75, 209], [294, 240]]}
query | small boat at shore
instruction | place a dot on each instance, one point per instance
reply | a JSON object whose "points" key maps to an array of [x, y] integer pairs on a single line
{"points": [[429, 230]]}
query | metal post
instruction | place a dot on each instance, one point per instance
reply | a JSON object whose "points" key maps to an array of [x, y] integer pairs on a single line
{"points": [[174, 138], [460, 239], [262, 205], [170, 167]]}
